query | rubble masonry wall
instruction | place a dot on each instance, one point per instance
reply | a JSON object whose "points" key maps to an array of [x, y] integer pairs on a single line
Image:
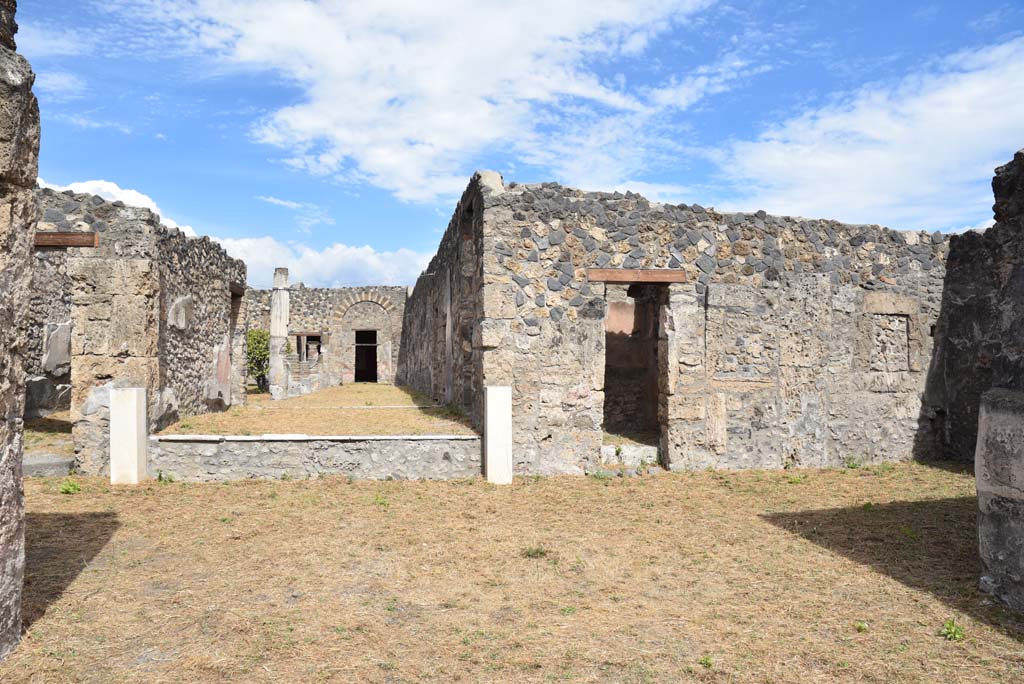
{"points": [[19, 156]]}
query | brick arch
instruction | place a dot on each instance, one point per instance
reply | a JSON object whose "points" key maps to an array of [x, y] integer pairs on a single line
{"points": [[353, 298], [341, 342]]}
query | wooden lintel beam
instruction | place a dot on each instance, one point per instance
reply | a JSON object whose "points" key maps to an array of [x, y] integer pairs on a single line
{"points": [[635, 275], [64, 239], [237, 289]]}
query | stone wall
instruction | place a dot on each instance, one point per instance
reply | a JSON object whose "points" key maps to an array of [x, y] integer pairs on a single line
{"points": [[980, 331], [151, 307], [199, 458], [440, 355], [19, 154], [199, 326], [335, 314], [792, 341], [977, 378], [48, 356]]}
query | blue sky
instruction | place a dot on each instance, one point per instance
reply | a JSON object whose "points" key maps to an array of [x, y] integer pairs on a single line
{"points": [[334, 137]]}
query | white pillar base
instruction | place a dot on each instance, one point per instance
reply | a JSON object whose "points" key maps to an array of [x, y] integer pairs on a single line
{"points": [[129, 436], [498, 435]]}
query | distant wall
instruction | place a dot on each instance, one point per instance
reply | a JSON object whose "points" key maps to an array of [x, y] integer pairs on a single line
{"points": [[19, 154], [336, 313]]}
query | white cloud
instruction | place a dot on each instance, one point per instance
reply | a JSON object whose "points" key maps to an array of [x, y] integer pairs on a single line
{"points": [[308, 215], [712, 79], [917, 153], [88, 123], [287, 204], [113, 192], [336, 265], [59, 86], [407, 96], [37, 42]]}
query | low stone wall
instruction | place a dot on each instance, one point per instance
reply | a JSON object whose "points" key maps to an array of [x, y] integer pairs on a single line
{"points": [[273, 457], [999, 466]]}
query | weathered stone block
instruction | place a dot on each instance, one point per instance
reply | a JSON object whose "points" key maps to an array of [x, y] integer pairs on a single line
{"points": [[57, 346], [499, 300]]}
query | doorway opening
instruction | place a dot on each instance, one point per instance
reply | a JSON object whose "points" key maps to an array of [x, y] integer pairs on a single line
{"points": [[366, 356], [631, 379], [308, 346]]}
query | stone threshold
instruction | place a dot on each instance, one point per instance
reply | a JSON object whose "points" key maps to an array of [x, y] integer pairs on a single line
{"points": [[311, 438]]}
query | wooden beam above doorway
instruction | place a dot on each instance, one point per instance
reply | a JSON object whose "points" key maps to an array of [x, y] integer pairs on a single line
{"points": [[64, 239], [635, 275], [237, 289]]}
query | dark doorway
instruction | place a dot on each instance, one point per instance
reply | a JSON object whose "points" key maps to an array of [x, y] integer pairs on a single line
{"points": [[366, 356], [631, 388]]}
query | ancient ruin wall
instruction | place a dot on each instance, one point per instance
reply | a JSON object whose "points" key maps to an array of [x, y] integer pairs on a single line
{"points": [[199, 325], [978, 373], [980, 331], [337, 313], [48, 355], [438, 355], [151, 308], [19, 154], [793, 341]]}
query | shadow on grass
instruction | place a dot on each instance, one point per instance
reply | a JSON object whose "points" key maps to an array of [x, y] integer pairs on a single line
{"points": [[49, 425], [58, 546], [431, 408], [926, 545]]}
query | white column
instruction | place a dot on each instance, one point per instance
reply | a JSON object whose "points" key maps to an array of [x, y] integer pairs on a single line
{"points": [[277, 374], [498, 435], [129, 434]]}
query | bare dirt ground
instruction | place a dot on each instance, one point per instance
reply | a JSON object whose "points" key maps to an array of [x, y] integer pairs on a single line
{"points": [[780, 577], [353, 409]]}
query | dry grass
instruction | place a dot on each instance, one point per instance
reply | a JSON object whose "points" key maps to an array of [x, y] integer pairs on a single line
{"points": [[50, 435], [353, 409], [783, 577]]}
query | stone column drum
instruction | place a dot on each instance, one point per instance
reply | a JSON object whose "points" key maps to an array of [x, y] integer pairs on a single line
{"points": [[999, 468]]}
